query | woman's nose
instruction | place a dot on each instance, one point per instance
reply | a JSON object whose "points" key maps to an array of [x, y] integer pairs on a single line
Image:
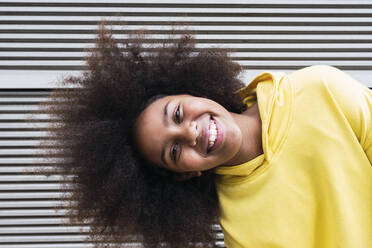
{"points": [[191, 133]]}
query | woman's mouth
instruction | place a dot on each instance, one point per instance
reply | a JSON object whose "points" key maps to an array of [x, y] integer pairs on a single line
{"points": [[214, 135]]}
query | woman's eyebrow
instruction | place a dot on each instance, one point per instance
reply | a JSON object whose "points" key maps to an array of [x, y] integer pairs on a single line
{"points": [[165, 121], [165, 114]]}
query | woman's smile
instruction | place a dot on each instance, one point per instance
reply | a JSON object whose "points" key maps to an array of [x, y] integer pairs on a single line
{"points": [[215, 135]]}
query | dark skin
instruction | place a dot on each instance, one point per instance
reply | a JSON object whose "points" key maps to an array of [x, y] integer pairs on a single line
{"points": [[179, 126]]}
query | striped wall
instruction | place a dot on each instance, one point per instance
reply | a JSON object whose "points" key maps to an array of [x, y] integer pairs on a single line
{"points": [[42, 41]]}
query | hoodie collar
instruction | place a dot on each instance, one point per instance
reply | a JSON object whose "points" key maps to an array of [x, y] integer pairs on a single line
{"points": [[264, 90]]}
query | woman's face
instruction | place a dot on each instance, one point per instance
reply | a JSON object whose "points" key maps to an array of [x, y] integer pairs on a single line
{"points": [[185, 133]]}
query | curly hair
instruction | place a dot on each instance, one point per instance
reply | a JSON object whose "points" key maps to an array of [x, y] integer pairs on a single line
{"points": [[108, 185]]}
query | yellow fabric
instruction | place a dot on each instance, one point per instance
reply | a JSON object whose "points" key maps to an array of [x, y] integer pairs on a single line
{"points": [[312, 187]]}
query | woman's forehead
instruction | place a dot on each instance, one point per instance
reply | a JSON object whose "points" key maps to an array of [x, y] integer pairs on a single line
{"points": [[149, 130]]}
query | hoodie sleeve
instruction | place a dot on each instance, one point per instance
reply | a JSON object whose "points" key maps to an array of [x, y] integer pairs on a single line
{"points": [[354, 100]]}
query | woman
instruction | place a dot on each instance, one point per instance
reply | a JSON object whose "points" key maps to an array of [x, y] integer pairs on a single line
{"points": [[312, 185], [161, 145]]}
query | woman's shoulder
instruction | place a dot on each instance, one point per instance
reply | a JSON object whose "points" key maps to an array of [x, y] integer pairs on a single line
{"points": [[328, 81], [317, 75], [315, 70]]}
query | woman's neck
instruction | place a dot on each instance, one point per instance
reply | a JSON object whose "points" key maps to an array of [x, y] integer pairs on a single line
{"points": [[249, 123]]}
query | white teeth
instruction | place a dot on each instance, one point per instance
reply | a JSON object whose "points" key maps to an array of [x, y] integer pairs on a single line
{"points": [[212, 134]]}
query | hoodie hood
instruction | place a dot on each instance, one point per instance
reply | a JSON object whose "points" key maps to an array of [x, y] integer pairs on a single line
{"points": [[269, 91]]}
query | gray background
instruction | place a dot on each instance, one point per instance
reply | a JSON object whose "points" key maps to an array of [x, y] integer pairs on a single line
{"points": [[43, 41]]}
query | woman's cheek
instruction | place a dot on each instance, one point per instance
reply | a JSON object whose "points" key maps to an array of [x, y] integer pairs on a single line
{"points": [[193, 161]]}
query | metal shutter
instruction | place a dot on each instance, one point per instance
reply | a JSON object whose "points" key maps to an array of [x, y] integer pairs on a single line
{"points": [[40, 41]]}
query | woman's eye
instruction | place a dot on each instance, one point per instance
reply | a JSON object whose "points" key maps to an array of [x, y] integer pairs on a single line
{"points": [[174, 150], [177, 114]]}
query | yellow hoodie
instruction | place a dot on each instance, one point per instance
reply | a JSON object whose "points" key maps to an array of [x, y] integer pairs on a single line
{"points": [[312, 187]]}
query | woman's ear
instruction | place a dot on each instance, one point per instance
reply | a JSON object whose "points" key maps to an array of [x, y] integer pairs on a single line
{"points": [[186, 175]]}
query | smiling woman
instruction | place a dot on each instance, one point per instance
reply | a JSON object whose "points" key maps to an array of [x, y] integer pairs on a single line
{"points": [[282, 162]]}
